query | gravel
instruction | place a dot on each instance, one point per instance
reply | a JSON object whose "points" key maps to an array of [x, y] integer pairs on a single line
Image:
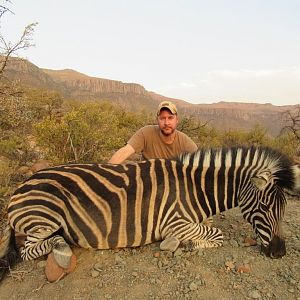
{"points": [[236, 270]]}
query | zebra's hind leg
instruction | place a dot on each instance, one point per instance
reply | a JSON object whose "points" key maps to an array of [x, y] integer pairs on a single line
{"points": [[62, 253], [35, 248]]}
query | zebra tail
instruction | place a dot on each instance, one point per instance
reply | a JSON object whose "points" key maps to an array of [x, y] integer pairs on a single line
{"points": [[9, 254]]}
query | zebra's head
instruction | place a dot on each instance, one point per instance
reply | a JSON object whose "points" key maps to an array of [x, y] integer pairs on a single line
{"points": [[267, 218], [253, 178], [263, 202], [265, 212]]}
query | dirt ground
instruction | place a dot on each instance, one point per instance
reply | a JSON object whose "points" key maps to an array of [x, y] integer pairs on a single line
{"points": [[233, 271]]}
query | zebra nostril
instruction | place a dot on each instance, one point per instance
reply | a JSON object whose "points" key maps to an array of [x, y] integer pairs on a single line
{"points": [[276, 248], [277, 255]]}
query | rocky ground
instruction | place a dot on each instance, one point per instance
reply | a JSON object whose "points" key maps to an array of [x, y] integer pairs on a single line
{"points": [[234, 271]]}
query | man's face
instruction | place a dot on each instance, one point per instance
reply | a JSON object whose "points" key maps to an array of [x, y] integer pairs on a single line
{"points": [[167, 122]]}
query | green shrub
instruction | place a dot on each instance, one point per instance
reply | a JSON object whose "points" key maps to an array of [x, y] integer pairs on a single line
{"points": [[287, 143], [7, 173], [90, 132]]}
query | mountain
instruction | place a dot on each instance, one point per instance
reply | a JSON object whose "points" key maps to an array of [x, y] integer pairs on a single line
{"points": [[133, 96]]}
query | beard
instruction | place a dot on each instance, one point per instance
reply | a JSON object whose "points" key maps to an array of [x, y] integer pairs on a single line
{"points": [[167, 131]]}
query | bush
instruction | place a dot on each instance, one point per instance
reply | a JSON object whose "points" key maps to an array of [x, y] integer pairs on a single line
{"points": [[88, 133], [287, 143], [7, 173]]}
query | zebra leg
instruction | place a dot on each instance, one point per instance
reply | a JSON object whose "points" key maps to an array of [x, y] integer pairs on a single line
{"points": [[195, 236], [62, 253], [34, 248], [192, 236]]}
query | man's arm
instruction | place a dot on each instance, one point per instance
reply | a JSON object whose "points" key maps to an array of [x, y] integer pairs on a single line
{"points": [[121, 154]]}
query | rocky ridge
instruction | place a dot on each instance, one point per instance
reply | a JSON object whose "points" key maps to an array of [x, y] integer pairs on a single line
{"points": [[133, 96]]}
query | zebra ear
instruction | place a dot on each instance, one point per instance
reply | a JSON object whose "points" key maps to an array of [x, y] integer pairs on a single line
{"points": [[261, 180]]}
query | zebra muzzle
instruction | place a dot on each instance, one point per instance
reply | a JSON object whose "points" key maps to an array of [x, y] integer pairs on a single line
{"points": [[276, 248]]}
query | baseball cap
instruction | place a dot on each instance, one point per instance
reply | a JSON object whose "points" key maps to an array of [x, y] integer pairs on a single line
{"points": [[168, 105]]}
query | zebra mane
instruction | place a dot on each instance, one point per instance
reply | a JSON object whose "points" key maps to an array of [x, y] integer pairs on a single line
{"points": [[264, 158]]}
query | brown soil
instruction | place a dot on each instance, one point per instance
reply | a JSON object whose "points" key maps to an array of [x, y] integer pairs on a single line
{"points": [[233, 271]]}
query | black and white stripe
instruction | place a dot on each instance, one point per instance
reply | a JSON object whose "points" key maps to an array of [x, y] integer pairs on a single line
{"points": [[111, 206]]}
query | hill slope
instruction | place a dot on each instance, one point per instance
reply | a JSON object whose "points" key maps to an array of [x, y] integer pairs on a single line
{"points": [[133, 96]]}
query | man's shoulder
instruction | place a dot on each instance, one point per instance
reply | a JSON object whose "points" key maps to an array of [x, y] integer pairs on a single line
{"points": [[185, 140], [182, 135], [150, 129]]}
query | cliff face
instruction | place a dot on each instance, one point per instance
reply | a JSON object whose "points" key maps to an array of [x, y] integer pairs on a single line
{"points": [[28, 74], [133, 96], [73, 80], [232, 115]]}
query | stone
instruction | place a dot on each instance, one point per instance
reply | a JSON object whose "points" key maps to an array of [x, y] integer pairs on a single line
{"points": [[54, 272], [135, 274], [156, 254], [118, 260], [95, 273], [170, 244], [98, 266], [193, 286], [41, 264], [250, 242], [243, 268], [233, 243], [178, 252], [254, 294], [230, 265]]}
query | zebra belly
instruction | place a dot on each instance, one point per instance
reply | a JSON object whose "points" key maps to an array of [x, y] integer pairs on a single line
{"points": [[117, 237]]}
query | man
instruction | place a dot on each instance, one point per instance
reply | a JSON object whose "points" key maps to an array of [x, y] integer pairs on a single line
{"points": [[157, 141]]}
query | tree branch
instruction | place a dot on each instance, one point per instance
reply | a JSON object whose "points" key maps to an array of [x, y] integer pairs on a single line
{"points": [[292, 118], [9, 49]]}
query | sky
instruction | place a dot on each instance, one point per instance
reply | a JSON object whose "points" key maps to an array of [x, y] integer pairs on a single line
{"points": [[199, 51]]}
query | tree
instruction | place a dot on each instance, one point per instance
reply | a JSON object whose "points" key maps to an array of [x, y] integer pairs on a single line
{"points": [[193, 127], [14, 115], [8, 48], [12, 106], [257, 136], [4, 8], [292, 120], [44, 103]]}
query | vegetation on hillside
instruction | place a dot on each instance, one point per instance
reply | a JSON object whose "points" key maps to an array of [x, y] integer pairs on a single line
{"points": [[40, 124]]}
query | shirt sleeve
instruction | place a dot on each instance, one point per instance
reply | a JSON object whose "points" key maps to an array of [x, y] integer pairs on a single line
{"points": [[190, 145], [137, 141]]}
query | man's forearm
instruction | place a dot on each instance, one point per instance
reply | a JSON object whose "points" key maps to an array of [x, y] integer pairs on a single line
{"points": [[122, 154]]}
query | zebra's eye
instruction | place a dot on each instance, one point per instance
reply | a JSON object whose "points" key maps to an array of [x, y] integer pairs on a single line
{"points": [[264, 206]]}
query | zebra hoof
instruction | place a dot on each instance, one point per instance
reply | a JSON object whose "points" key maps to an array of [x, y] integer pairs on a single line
{"points": [[54, 272], [62, 254], [170, 244]]}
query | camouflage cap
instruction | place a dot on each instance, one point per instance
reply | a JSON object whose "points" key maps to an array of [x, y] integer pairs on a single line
{"points": [[168, 105]]}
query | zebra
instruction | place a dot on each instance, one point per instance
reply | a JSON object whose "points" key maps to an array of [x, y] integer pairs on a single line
{"points": [[106, 206]]}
